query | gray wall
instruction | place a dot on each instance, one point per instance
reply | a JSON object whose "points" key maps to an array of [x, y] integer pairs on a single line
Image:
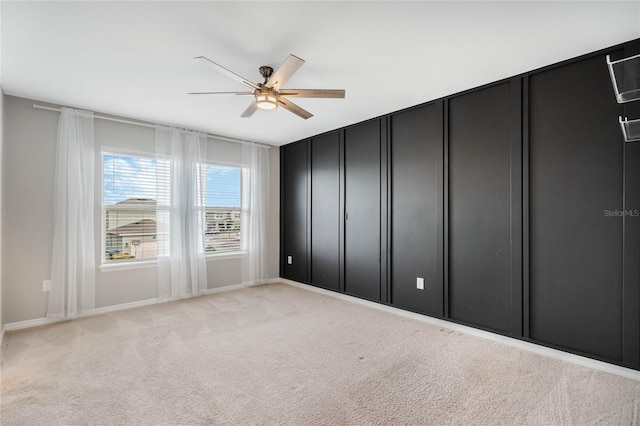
{"points": [[29, 158]]}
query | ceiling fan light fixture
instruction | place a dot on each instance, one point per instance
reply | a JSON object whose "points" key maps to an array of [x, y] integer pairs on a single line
{"points": [[266, 100]]}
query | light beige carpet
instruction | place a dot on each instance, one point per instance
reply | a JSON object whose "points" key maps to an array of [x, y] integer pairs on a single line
{"points": [[277, 354]]}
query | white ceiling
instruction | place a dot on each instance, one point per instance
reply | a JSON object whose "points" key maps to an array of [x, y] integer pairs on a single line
{"points": [[135, 58]]}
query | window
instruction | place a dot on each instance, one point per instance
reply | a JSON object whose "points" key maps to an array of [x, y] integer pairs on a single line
{"points": [[135, 207], [223, 209]]}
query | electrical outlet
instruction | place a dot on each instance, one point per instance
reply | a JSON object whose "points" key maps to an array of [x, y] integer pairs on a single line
{"points": [[289, 260], [420, 283], [46, 285]]}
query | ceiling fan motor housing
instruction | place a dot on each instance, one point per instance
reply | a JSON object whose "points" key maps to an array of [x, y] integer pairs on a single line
{"points": [[266, 72]]}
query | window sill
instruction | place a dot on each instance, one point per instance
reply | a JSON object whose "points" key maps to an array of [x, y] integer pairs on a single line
{"points": [[111, 267], [226, 256]]}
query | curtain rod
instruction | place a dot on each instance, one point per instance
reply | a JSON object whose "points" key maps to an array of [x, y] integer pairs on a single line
{"points": [[119, 120]]}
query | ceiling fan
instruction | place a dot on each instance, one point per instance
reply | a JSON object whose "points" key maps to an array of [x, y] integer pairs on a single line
{"points": [[270, 94]]}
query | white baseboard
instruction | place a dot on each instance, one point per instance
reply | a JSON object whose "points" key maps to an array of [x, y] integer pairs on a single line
{"points": [[19, 325], [36, 322], [238, 286], [509, 341], [122, 307]]}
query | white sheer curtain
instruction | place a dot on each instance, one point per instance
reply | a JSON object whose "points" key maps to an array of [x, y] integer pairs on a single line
{"points": [[73, 251], [182, 199], [255, 212]]}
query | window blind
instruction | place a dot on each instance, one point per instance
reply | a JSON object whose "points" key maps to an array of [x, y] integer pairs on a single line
{"points": [[223, 209], [135, 207]]}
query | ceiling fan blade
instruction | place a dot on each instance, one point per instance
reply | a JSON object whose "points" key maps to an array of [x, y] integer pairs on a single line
{"points": [[250, 110], [313, 93], [221, 93], [286, 70], [225, 71], [290, 106]]}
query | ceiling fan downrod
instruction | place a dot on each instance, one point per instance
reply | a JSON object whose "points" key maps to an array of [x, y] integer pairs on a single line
{"points": [[266, 72]]}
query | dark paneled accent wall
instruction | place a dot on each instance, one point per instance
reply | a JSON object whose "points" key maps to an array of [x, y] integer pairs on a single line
{"points": [[416, 168], [631, 227], [481, 160], [518, 203], [576, 176], [362, 146], [325, 211], [631, 271], [294, 178]]}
